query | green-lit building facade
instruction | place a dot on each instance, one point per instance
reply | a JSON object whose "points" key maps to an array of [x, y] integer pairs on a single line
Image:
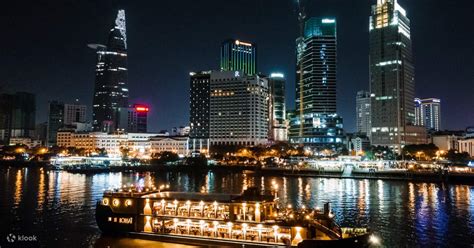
{"points": [[238, 55]]}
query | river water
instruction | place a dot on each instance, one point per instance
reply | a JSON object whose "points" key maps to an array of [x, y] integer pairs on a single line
{"points": [[58, 207]]}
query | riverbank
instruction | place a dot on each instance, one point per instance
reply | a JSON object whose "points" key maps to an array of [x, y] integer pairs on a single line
{"points": [[406, 175]]}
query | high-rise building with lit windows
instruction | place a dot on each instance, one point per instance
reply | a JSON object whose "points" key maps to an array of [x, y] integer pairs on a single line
{"points": [[227, 108], [428, 113], [315, 122], [238, 55], [363, 115], [392, 80], [238, 113], [111, 91], [277, 108], [199, 111]]}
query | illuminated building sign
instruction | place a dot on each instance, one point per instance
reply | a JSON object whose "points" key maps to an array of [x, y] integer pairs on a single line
{"points": [[121, 220], [141, 108], [277, 75], [328, 21], [238, 42]]}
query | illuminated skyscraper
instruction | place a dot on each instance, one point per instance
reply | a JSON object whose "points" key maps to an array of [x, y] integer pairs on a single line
{"points": [[315, 122], [227, 108], [392, 81], [277, 107], [428, 113], [237, 55], [238, 113], [199, 111], [111, 91]]}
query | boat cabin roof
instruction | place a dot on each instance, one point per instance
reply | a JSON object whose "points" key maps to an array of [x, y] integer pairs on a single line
{"points": [[249, 195]]}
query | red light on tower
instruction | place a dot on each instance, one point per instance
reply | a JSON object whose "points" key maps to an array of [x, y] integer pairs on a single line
{"points": [[141, 108]]}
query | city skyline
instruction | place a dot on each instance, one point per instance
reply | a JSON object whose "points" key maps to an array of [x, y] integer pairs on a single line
{"points": [[282, 58]]}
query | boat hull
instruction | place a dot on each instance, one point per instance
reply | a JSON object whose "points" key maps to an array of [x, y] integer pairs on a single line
{"points": [[359, 241], [114, 223]]}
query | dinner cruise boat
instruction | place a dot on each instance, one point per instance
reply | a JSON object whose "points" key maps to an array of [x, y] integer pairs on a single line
{"points": [[248, 219]]}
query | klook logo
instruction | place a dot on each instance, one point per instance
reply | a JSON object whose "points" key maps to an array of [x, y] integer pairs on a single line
{"points": [[11, 238]]}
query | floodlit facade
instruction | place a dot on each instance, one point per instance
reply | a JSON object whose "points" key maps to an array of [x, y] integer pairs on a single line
{"points": [[466, 145], [24, 141], [446, 142], [363, 115], [176, 144], [111, 142], [315, 122], [111, 90], [428, 113], [240, 56], [392, 79]]}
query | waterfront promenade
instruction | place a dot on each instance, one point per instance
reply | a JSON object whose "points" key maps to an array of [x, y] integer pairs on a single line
{"points": [[385, 170]]}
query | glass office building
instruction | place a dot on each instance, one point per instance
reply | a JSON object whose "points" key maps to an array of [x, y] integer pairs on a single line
{"points": [[315, 121], [111, 91], [392, 82]]}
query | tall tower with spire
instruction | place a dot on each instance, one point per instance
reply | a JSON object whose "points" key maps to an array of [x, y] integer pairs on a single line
{"points": [[111, 91]]}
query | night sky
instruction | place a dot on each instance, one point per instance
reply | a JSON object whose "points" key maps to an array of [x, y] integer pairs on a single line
{"points": [[44, 49]]}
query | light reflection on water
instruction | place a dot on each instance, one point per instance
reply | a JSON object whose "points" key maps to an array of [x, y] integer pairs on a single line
{"points": [[58, 207]]}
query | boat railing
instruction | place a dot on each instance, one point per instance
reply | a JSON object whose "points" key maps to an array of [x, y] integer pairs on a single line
{"points": [[335, 234], [222, 230]]}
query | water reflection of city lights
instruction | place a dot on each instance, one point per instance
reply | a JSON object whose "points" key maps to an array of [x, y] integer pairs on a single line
{"points": [[18, 187], [41, 188]]}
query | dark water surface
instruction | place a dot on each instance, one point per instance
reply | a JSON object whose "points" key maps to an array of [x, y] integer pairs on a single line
{"points": [[58, 207]]}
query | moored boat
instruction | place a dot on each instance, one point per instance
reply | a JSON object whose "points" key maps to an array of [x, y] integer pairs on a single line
{"points": [[249, 219]]}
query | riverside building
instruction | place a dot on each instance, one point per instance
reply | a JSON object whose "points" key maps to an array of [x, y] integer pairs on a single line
{"points": [[228, 108], [111, 142], [238, 109]]}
